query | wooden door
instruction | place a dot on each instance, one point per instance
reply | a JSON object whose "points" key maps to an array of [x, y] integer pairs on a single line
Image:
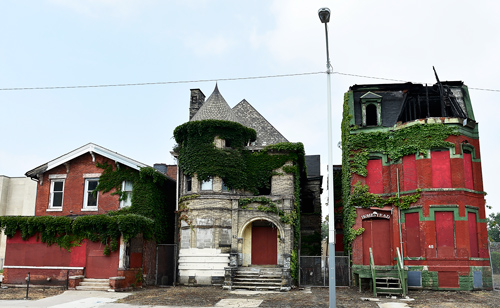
{"points": [[377, 236], [264, 245]]}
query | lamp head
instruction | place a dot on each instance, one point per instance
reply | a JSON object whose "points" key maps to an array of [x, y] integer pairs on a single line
{"points": [[324, 14]]}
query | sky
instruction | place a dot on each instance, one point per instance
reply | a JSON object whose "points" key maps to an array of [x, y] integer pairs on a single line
{"points": [[178, 45]]}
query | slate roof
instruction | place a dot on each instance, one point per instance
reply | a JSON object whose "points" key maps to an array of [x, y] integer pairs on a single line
{"points": [[250, 117], [313, 164], [215, 108]]}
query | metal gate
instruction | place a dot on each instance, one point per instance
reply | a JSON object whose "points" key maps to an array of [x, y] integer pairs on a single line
{"points": [[166, 264], [314, 271]]}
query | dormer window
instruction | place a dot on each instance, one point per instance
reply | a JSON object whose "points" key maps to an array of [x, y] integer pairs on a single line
{"points": [[371, 106]]}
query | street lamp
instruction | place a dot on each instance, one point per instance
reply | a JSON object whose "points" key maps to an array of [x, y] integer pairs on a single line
{"points": [[324, 16]]}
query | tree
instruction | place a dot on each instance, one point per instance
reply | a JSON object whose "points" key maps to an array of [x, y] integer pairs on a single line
{"points": [[494, 227]]}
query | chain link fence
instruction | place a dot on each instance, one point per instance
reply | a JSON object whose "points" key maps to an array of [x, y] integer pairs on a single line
{"points": [[495, 263], [314, 271]]}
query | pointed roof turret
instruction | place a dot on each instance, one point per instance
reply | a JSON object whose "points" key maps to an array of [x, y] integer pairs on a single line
{"points": [[215, 108]]}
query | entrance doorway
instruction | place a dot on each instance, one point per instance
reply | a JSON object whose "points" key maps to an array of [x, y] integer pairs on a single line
{"points": [[264, 243], [377, 236]]}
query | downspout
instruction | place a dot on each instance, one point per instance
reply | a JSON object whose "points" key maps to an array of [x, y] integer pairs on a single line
{"points": [[399, 222]]}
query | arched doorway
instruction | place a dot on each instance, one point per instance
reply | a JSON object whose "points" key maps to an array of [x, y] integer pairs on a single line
{"points": [[260, 244]]}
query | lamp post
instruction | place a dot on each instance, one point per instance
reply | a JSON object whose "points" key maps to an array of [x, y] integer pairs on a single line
{"points": [[324, 16]]}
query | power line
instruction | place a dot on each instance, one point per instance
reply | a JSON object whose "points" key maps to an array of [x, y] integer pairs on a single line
{"points": [[209, 80]]}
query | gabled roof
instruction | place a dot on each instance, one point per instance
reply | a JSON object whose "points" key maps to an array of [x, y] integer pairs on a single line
{"points": [[250, 117], [215, 108], [88, 148]]}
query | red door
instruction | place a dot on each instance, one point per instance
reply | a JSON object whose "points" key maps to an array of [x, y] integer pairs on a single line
{"points": [[377, 236], [264, 245], [99, 265]]}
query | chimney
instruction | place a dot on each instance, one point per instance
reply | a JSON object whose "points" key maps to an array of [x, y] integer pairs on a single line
{"points": [[197, 100]]}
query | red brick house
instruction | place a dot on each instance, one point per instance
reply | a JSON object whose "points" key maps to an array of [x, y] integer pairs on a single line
{"points": [[66, 188], [412, 155]]}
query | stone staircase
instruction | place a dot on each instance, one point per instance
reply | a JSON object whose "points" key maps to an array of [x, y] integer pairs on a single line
{"points": [[93, 284], [258, 279]]}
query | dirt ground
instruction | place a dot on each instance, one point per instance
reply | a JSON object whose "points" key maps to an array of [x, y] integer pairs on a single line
{"points": [[314, 297], [318, 297], [33, 294]]}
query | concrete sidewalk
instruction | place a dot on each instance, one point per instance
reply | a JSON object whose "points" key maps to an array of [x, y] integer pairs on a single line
{"points": [[102, 299]]}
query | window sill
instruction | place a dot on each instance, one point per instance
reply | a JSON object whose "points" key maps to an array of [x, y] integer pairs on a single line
{"points": [[54, 209], [90, 210]]}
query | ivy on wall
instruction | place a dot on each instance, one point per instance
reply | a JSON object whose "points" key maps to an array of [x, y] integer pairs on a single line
{"points": [[68, 232], [239, 167], [153, 201], [357, 146]]}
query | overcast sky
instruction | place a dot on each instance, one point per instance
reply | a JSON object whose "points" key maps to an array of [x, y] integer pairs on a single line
{"points": [[47, 43]]}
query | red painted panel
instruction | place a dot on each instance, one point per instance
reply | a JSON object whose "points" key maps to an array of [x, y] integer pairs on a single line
{"points": [[374, 178], [412, 235], [441, 169], [445, 234], [98, 264], [377, 236], [135, 259], [448, 280], [469, 183], [474, 248], [264, 245], [409, 172]]}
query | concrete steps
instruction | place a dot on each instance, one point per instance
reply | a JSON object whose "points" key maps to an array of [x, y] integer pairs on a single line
{"points": [[93, 284], [259, 279]]}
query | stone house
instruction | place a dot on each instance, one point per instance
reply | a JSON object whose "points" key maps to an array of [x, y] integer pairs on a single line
{"points": [[240, 187], [416, 207]]}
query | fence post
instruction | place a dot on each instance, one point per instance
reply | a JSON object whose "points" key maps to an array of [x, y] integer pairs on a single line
{"points": [[28, 287]]}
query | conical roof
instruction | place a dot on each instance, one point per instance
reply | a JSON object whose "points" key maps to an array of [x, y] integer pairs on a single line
{"points": [[250, 117], [215, 108]]}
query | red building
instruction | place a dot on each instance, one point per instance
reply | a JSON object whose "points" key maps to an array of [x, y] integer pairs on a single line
{"points": [[66, 188], [412, 156]]}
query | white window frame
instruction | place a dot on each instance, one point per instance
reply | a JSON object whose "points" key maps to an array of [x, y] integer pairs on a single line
{"points": [[86, 193], [127, 202], [51, 196], [207, 185]]}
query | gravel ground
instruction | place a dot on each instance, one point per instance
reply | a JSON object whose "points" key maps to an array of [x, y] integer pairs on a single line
{"points": [[314, 297]]}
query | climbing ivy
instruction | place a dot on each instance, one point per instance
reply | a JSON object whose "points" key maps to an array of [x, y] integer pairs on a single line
{"points": [[239, 167], [68, 232], [150, 214], [357, 146]]}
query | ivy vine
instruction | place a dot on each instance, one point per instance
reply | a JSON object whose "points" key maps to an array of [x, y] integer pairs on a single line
{"points": [[357, 146], [239, 167]]}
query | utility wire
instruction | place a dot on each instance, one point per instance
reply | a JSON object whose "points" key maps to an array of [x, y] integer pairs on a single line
{"points": [[208, 80]]}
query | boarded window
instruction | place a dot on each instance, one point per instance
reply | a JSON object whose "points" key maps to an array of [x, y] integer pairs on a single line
{"points": [[409, 172], [468, 171], [445, 234], [412, 235], [441, 169], [474, 248], [374, 178]]}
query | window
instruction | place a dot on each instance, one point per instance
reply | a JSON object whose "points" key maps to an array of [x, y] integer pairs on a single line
{"points": [[371, 115], [207, 185], [445, 234], [127, 194], [374, 178], [468, 176], [225, 188], [473, 240], [56, 194], [412, 235], [189, 183], [441, 169], [89, 198]]}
